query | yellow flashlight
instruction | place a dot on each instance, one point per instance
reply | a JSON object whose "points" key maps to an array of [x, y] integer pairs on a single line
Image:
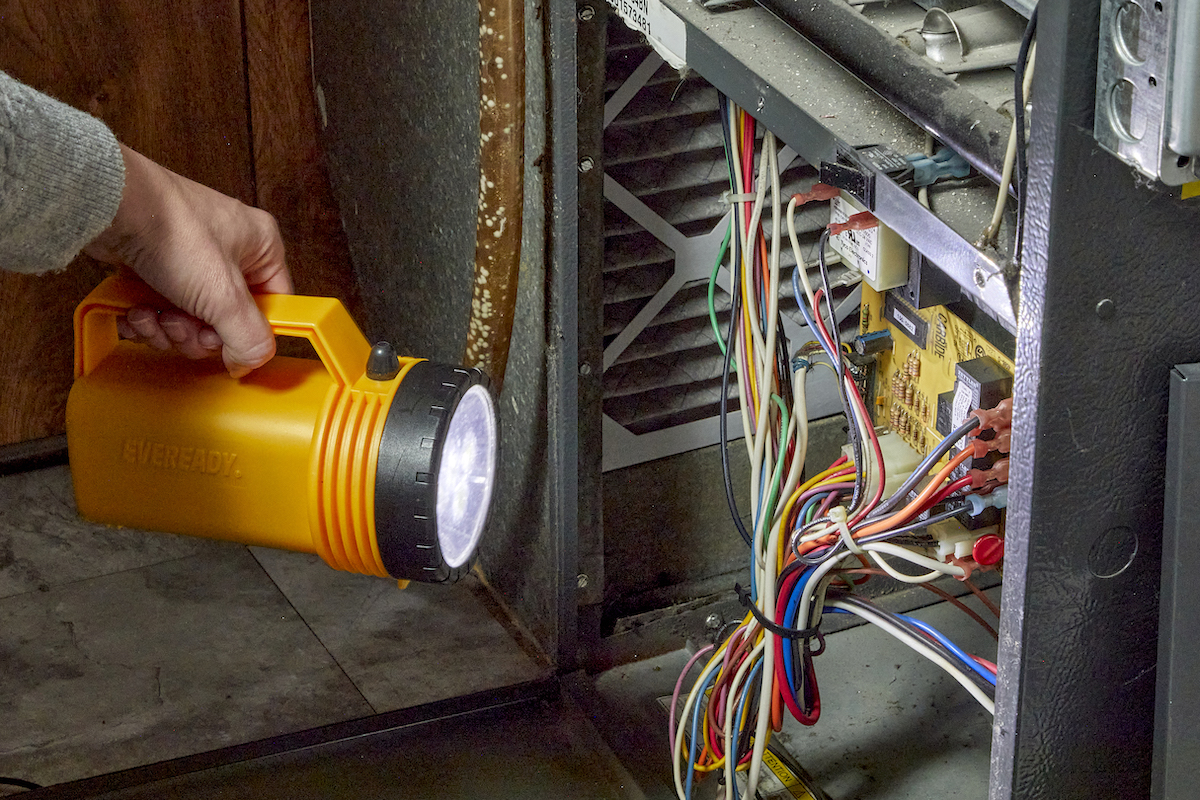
{"points": [[379, 464]]}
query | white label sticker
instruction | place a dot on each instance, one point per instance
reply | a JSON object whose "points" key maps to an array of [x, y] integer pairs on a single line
{"points": [[905, 323], [962, 405], [662, 28], [860, 249]]}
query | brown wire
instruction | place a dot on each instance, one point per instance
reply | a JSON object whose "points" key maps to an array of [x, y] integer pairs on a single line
{"points": [[983, 598], [942, 593]]}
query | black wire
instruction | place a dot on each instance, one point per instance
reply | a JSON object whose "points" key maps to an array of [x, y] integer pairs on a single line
{"points": [[781, 631], [922, 469], [19, 783], [851, 428], [730, 342], [822, 243], [783, 363], [735, 309], [862, 602], [1019, 119]]}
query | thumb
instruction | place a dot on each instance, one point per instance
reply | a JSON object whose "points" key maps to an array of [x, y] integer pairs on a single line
{"points": [[248, 342]]}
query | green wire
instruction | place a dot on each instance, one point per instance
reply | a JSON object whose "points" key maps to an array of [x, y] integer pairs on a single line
{"points": [[772, 496], [712, 287]]}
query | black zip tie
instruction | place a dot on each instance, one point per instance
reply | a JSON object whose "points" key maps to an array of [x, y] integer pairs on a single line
{"points": [[778, 630]]}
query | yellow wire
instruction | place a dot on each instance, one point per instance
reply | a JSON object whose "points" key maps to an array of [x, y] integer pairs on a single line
{"points": [[718, 653], [820, 479], [747, 339]]}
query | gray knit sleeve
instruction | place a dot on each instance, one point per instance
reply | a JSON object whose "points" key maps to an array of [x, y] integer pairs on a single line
{"points": [[61, 177]]}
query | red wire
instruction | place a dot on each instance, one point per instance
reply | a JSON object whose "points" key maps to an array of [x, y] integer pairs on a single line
{"points": [[785, 592], [856, 399], [983, 662], [822, 332], [941, 496]]}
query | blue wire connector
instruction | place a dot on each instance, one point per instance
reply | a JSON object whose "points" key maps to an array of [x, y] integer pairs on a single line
{"points": [[945, 163]]}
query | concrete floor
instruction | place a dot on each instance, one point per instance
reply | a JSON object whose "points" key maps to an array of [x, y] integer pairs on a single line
{"points": [[120, 648], [893, 726]]}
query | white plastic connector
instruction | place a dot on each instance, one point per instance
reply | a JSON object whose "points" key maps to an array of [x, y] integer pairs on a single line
{"points": [[899, 460], [953, 538]]}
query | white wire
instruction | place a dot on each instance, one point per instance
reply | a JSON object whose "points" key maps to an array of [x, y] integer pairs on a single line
{"points": [[760, 460], [767, 363], [900, 576], [933, 565], [797, 427], [921, 647], [923, 192], [677, 755], [1010, 157], [731, 701], [801, 264], [766, 604]]}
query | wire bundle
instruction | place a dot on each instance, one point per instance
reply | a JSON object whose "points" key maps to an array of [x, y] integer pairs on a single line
{"points": [[810, 541]]}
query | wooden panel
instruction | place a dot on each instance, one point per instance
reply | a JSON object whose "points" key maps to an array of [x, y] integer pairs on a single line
{"points": [[169, 79], [291, 172]]}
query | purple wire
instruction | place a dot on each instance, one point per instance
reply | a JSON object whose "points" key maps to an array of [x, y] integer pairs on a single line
{"points": [[679, 685]]}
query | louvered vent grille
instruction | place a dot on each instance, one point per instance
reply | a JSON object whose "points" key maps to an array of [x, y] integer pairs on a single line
{"points": [[665, 177]]}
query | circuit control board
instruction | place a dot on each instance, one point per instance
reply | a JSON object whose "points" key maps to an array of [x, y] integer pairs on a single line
{"points": [[921, 367]]}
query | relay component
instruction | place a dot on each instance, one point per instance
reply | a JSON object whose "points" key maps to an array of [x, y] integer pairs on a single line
{"points": [[877, 251], [979, 383]]}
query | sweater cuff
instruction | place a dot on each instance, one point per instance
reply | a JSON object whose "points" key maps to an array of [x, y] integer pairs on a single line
{"points": [[61, 178]]}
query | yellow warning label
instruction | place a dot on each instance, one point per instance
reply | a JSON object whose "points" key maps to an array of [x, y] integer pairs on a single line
{"points": [[789, 779]]}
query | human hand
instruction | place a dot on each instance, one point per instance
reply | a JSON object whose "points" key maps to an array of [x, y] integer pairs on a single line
{"points": [[203, 251]]}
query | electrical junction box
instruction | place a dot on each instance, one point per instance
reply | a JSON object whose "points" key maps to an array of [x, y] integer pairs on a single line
{"points": [[878, 253]]}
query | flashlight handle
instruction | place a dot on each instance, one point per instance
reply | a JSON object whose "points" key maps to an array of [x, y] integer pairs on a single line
{"points": [[323, 321]]}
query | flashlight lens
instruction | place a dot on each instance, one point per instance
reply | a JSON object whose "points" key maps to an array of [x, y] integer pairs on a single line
{"points": [[466, 476]]}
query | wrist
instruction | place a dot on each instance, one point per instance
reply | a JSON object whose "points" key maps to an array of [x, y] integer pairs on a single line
{"points": [[143, 199]]}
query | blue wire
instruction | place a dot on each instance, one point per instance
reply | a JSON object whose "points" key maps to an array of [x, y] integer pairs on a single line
{"points": [[733, 745], [812, 501], [790, 613], [695, 725], [802, 302], [952, 647]]}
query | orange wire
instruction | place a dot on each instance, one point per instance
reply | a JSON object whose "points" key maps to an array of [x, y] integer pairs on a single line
{"points": [[901, 515], [776, 706], [934, 486]]}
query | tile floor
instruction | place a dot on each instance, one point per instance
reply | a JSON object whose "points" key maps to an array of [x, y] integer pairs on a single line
{"points": [[120, 648]]}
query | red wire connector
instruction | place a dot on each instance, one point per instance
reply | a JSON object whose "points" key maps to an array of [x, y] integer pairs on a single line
{"points": [[988, 550], [1000, 444], [998, 419], [996, 475], [863, 220], [819, 191]]}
